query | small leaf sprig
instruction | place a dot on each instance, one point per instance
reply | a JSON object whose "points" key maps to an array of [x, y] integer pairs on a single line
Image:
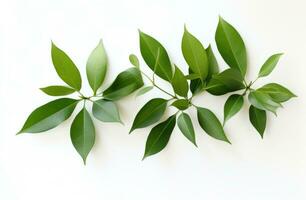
{"points": [[266, 98], [202, 66], [203, 76], [104, 108]]}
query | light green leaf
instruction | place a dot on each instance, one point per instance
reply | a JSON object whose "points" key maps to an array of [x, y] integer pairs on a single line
{"points": [[210, 124], [82, 133], [185, 124], [213, 67], [144, 90], [192, 76], [277, 92], [125, 83], [65, 68], [155, 56], [150, 113], [195, 54], [159, 136], [96, 67], [269, 65], [106, 111], [258, 119], [229, 80], [179, 83], [263, 101], [232, 106], [231, 46], [49, 115], [57, 90], [181, 104], [134, 60]]}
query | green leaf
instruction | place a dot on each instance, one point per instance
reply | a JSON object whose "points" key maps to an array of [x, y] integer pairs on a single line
{"points": [[277, 92], [96, 67], [196, 85], [82, 133], [159, 136], [185, 124], [210, 124], [106, 111], [49, 115], [179, 83], [263, 101], [181, 104], [195, 54], [258, 119], [192, 76], [65, 68], [232, 106], [269, 65], [231, 46], [144, 90], [229, 80], [134, 60], [57, 90], [213, 67], [155, 56], [150, 113], [125, 83]]}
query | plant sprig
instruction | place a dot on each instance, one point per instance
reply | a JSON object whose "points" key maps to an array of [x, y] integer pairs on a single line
{"points": [[104, 108]]}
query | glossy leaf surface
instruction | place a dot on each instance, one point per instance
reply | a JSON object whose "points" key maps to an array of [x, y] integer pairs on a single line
{"points": [[159, 136], [179, 83], [269, 65], [185, 125], [49, 115], [150, 113], [232, 106], [57, 90], [258, 119], [65, 68], [96, 67], [106, 111], [82, 133]]}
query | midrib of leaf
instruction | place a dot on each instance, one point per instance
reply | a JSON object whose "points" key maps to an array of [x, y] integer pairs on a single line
{"points": [[72, 77], [151, 51], [230, 45]]}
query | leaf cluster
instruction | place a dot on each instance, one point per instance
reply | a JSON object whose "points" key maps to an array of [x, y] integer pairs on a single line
{"points": [[203, 75]]}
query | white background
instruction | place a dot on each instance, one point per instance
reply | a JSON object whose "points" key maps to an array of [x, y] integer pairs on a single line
{"points": [[46, 166]]}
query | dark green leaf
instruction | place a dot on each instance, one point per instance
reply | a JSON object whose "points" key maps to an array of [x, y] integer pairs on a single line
{"points": [[159, 136], [269, 65], [49, 115], [185, 124], [210, 124], [65, 68], [231, 46], [258, 119], [150, 113], [181, 104], [263, 101], [195, 54], [179, 83], [229, 80], [106, 111], [96, 67], [125, 83], [144, 90], [232, 106], [155, 55], [277, 92], [57, 90], [82, 133], [213, 67], [134, 60]]}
